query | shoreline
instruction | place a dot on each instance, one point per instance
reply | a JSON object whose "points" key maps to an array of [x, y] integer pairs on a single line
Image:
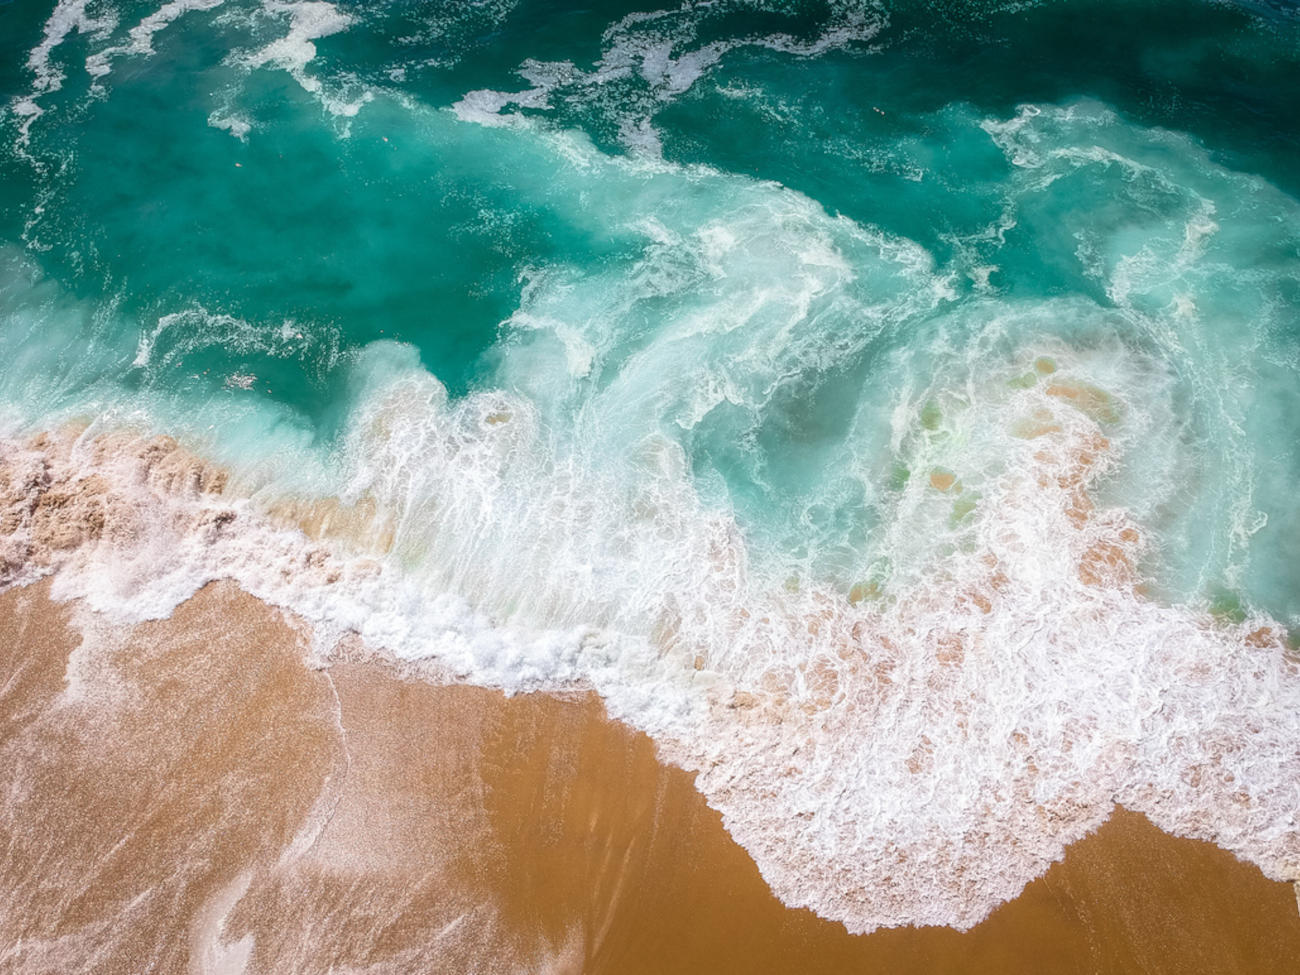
{"points": [[190, 792]]}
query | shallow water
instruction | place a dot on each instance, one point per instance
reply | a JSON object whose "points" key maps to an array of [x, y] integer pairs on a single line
{"points": [[890, 409]]}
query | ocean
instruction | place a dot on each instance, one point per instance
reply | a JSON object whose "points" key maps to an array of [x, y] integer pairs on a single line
{"points": [[889, 407]]}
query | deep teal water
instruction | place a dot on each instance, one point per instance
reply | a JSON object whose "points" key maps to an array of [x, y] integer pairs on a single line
{"points": [[566, 257]]}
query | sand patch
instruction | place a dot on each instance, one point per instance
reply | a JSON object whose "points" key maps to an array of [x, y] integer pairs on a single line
{"points": [[228, 809]]}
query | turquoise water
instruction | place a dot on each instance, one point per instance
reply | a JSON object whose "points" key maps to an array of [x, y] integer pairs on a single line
{"points": [[665, 328], [284, 250]]}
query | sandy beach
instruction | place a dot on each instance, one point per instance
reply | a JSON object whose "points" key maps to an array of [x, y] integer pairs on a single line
{"points": [[188, 795]]}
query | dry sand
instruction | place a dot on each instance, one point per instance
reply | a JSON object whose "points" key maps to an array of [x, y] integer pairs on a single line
{"points": [[189, 796]]}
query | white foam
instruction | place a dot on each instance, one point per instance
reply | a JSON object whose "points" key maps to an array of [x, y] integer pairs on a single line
{"points": [[236, 124], [1188, 275], [184, 331], [486, 106], [48, 75], [656, 49], [140, 38], [309, 21]]}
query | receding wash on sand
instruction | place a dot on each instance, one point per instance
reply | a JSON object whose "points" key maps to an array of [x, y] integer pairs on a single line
{"points": [[888, 412]]}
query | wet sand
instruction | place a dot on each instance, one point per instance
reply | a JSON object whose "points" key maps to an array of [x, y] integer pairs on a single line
{"points": [[190, 796]]}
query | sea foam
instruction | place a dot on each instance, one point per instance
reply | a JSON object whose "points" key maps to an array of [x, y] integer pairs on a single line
{"points": [[911, 752], [658, 54], [48, 75], [139, 41]]}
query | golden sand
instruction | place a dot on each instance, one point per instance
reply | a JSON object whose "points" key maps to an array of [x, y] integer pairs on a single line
{"points": [[189, 796]]}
